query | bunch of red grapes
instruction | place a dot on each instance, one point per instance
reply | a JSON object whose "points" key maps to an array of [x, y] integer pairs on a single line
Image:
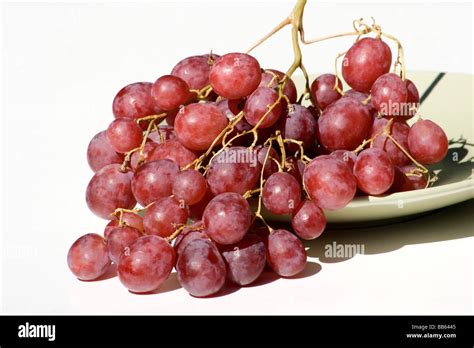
{"points": [[194, 147]]}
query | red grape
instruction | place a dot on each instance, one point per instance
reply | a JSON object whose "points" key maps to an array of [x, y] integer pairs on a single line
{"points": [[235, 75], [165, 132], [197, 125], [270, 166], [169, 92], [389, 94], [296, 168], [258, 104], [348, 157], [194, 70], [329, 182], [227, 218], [427, 142], [374, 171], [365, 62], [344, 125], [164, 216], [189, 186], [244, 260], [281, 193], [88, 257], [413, 101], [323, 90], [299, 124], [201, 270], [173, 150], [154, 180], [196, 210], [124, 135], [189, 234], [120, 238], [148, 149], [134, 101], [308, 220], [100, 153], [146, 264], [362, 97], [235, 169], [285, 253], [402, 182], [108, 190], [129, 219], [269, 80], [399, 131]]}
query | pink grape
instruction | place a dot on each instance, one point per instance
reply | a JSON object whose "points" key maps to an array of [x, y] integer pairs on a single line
{"points": [[124, 135], [227, 218], [399, 131], [374, 171], [413, 100], [134, 101], [194, 231], [323, 90], [164, 216], [234, 170], [173, 150], [348, 157], [120, 238], [230, 107], [108, 190], [308, 220], [299, 124], [146, 264], [270, 166], [129, 219], [196, 210], [88, 257], [427, 142], [365, 62], [257, 105], [244, 260], [189, 186], [154, 180], [165, 132], [285, 253], [235, 75], [281, 193], [329, 182], [201, 270], [389, 94], [362, 97], [169, 92], [271, 78], [402, 182], [148, 149], [100, 153], [195, 70], [197, 125], [344, 125]]}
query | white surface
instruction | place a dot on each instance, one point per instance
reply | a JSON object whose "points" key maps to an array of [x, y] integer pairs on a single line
{"points": [[63, 63]]}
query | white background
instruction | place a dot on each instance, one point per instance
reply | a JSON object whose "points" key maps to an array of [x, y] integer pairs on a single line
{"points": [[61, 67]]}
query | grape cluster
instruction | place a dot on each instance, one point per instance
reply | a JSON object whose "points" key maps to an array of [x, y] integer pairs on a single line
{"points": [[195, 146]]}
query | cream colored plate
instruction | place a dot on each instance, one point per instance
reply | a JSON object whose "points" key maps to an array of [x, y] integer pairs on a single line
{"points": [[450, 106]]}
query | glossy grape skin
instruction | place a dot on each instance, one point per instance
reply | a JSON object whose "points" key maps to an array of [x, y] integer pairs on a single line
{"points": [[173, 150], [169, 92], [108, 190], [148, 149], [129, 219], [402, 182], [365, 62], [120, 238], [374, 171], [164, 217], [146, 264], [197, 125], [348, 157], [226, 176], [124, 135], [201, 270], [88, 257], [100, 153], [427, 142], [257, 105], [134, 101], [399, 131], [154, 180], [308, 220], [389, 94], [244, 260], [270, 166], [194, 70], [329, 182], [227, 218], [323, 92], [235, 75], [268, 80], [344, 125], [285, 253], [189, 186], [281, 193], [299, 124]]}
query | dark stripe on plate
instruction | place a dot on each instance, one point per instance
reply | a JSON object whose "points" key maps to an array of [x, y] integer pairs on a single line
{"points": [[432, 86]]}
